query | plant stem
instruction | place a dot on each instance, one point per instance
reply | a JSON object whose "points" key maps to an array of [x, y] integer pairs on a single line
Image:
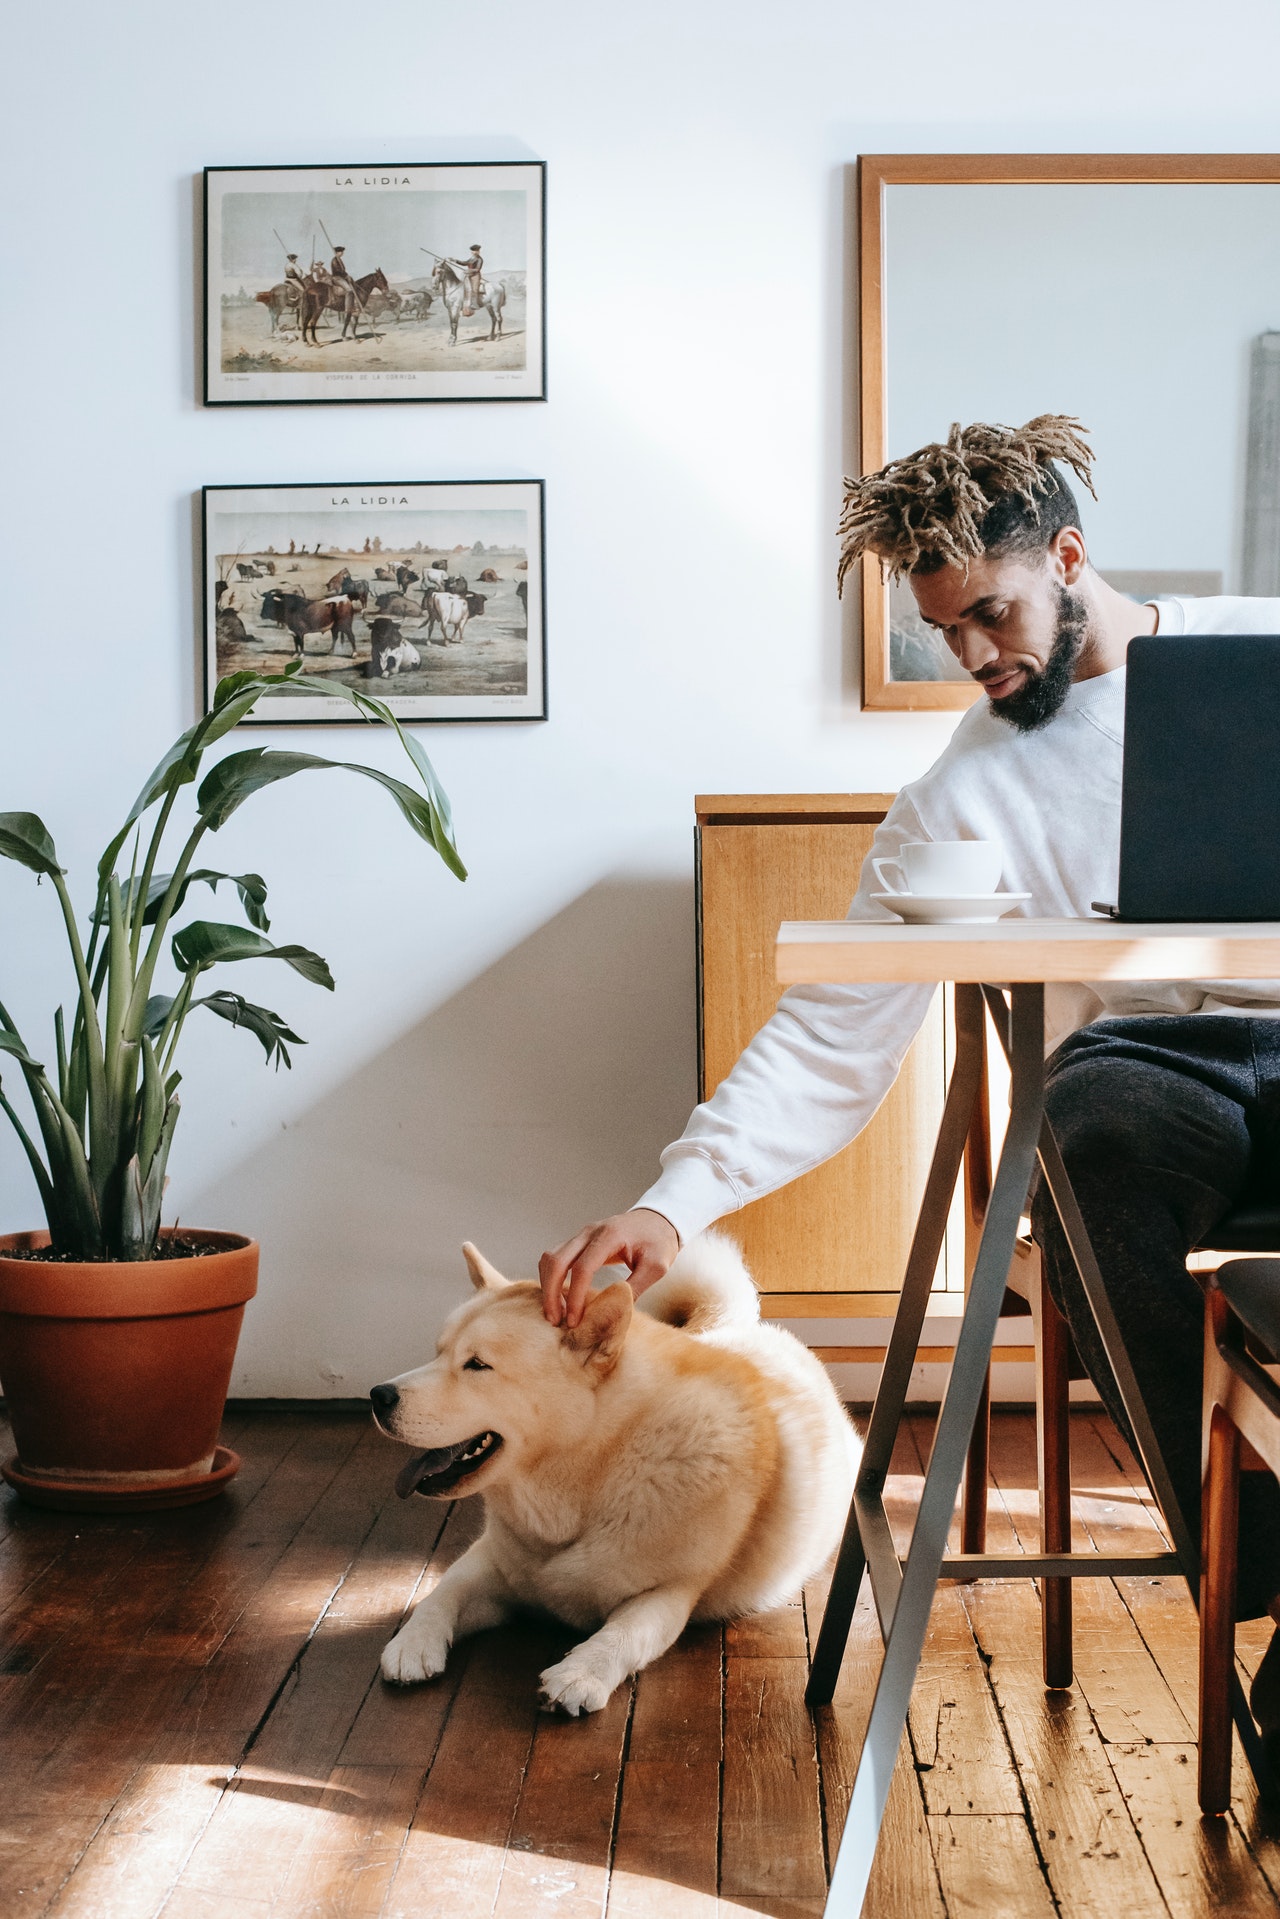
{"points": [[174, 1024], [168, 907], [139, 902], [93, 1035]]}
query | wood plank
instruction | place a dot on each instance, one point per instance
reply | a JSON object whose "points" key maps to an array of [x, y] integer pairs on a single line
{"points": [[313, 1715], [558, 1853], [273, 1831], [778, 1634], [131, 1859], [819, 952], [401, 1725], [771, 1826], [346, 1860], [1114, 1666], [1096, 1862], [127, 1745], [963, 1760], [76, 1687], [1085, 1835], [456, 1847], [904, 1878], [234, 1689], [806, 806], [1203, 1866], [988, 1867], [666, 1847]]}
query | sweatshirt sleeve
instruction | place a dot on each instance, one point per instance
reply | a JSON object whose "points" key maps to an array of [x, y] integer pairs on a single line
{"points": [[807, 1084]]}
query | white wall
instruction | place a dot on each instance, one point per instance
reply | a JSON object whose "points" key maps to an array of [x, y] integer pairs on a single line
{"points": [[503, 1058]]}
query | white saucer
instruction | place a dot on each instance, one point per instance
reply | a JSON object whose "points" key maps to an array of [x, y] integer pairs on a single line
{"points": [[919, 909]]}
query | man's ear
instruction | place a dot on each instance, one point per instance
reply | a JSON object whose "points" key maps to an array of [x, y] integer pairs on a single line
{"points": [[598, 1337], [1068, 554], [484, 1277]]}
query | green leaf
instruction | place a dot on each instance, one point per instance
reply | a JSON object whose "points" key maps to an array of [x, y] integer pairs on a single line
{"points": [[268, 1027], [235, 779], [205, 943], [234, 699], [154, 1015], [251, 887], [10, 1043], [25, 837]]}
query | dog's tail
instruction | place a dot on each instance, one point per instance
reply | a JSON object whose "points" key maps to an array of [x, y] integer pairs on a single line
{"points": [[707, 1285]]}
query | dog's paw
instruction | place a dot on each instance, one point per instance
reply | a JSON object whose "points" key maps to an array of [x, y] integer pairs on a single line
{"points": [[410, 1657], [573, 1687]]}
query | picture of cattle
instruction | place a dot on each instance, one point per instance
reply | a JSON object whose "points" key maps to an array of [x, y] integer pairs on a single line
{"points": [[335, 283], [380, 588]]}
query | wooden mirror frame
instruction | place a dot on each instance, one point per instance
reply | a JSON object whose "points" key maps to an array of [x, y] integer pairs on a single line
{"points": [[878, 171]]}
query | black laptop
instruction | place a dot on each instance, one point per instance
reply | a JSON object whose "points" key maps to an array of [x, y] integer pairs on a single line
{"points": [[1200, 807]]}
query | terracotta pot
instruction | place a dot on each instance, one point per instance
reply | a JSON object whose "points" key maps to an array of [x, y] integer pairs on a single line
{"points": [[116, 1373]]}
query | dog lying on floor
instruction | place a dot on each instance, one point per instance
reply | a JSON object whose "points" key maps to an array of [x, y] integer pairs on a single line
{"points": [[679, 1461]]}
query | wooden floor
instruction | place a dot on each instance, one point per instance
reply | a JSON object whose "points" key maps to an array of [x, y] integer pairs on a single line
{"points": [[191, 1723]]}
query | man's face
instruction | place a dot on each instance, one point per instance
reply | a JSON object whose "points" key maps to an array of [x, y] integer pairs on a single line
{"points": [[1015, 624]]}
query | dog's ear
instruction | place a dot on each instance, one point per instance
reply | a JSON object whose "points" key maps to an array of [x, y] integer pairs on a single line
{"points": [[484, 1277], [599, 1334]]}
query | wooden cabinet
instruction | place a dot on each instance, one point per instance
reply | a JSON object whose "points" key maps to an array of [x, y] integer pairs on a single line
{"points": [[835, 1241]]}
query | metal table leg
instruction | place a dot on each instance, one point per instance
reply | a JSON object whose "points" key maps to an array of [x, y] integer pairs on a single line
{"points": [[904, 1594], [910, 1614], [904, 1342]]}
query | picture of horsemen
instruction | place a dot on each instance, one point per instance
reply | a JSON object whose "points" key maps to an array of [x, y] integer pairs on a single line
{"points": [[327, 283], [427, 595]]}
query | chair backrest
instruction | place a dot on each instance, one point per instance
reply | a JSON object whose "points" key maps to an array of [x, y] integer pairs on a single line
{"points": [[1248, 1229]]}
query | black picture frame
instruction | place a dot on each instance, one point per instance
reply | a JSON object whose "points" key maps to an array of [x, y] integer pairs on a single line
{"points": [[398, 359], [498, 676]]}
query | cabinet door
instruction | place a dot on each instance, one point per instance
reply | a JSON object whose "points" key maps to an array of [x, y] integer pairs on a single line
{"points": [[846, 1227]]}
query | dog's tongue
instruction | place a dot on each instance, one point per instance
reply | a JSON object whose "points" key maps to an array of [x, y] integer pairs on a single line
{"points": [[434, 1461]]}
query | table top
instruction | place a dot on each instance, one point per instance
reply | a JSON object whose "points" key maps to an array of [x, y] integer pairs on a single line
{"points": [[845, 952]]}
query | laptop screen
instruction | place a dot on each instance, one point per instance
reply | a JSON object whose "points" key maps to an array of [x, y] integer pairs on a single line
{"points": [[1200, 808]]}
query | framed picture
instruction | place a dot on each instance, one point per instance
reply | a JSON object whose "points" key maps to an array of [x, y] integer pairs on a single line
{"points": [[351, 284], [428, 594]]}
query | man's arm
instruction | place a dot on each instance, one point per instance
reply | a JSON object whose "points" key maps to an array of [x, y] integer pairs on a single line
{"points": [[807, 1084]]}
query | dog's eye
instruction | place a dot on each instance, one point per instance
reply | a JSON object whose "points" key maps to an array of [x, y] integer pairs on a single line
{"points": [[474, 1365]]}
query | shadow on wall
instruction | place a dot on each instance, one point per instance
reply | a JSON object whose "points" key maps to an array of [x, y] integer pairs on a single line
{"points": [[535, 1099]]}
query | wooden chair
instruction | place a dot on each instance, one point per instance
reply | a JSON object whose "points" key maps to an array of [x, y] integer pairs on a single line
{"points": [[1249, 1229], [1241, 1408]]}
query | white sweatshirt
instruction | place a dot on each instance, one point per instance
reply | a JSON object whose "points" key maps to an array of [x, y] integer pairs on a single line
{"points": [[816, 1072]]}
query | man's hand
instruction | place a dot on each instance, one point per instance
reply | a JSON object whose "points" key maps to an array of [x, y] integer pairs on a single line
{"points": [[644, 1242]]}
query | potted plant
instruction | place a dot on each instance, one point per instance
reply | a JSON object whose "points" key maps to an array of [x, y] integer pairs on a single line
{"points": [[117, 1336]]}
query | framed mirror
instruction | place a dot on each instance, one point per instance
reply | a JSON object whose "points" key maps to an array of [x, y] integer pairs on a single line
{"points": [[1138, 292]]}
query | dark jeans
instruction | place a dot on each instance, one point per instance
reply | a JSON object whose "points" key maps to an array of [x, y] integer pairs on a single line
{"points": [[1165, 1124]]}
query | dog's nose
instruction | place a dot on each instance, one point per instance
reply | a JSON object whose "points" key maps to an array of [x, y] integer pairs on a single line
{"points": [[384, 1398]]}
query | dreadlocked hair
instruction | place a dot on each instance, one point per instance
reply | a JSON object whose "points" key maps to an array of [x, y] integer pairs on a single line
{"points": [[990, 488]]}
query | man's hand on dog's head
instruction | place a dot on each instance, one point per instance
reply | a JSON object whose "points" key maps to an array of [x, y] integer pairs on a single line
{"points": [[642, 1241]]}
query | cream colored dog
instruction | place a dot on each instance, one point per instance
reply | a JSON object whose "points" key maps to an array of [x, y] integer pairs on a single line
{"points": [[642, 1469]]}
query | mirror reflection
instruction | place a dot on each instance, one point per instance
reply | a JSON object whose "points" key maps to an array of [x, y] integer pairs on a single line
{"points": [[1152, 313]]}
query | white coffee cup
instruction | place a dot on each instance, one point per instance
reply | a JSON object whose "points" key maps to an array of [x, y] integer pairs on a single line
{"points": [[945, 869]]}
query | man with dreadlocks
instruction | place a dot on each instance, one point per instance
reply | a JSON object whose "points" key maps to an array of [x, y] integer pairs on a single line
{"points": [[1165, 1097]]}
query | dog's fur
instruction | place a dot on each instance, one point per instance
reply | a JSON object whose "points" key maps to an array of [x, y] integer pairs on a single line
{"points": [[645, 1468]]}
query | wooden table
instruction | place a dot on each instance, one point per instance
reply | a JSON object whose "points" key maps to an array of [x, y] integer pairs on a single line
{"points": [[1023, 955]]}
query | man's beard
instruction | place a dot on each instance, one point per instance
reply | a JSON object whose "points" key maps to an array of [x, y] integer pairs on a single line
{"points": [[1041, 696]]}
